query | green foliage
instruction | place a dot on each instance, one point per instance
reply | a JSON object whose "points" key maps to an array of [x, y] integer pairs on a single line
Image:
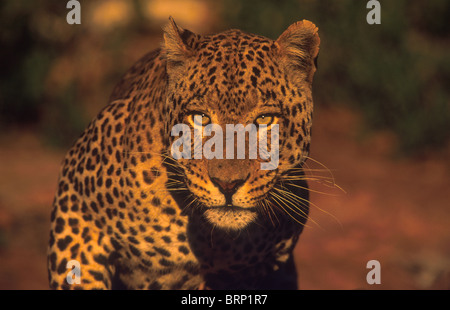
{"points": [[397, 73], [28, 53], [63, 119], [55, 76], [22, 70]]}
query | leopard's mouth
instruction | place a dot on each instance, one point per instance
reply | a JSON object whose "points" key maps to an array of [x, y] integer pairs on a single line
{"points": [[232, 208], [230, 217]]}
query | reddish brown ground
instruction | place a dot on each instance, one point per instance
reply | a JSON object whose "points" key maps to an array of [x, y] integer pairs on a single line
{"points": [[394, 210]]}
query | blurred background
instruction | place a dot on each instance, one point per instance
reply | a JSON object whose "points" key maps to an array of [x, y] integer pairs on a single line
{"points": [[381, 124]]}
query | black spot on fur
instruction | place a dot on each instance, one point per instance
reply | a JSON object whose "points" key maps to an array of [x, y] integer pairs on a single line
{"points": [[97, 275], [162, 251], [63, 243]]}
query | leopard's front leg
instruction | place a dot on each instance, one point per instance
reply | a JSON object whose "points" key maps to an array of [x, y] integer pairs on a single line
{"points": [[78, 253]]}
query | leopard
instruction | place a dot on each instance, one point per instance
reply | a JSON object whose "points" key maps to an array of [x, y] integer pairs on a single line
{"points": [[131, 216]]}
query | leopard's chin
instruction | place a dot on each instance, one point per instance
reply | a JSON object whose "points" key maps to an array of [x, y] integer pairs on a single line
{"points": [[230, 217]]}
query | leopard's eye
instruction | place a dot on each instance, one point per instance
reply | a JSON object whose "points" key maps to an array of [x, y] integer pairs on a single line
{"points": [[200, 119], [264, 119]]}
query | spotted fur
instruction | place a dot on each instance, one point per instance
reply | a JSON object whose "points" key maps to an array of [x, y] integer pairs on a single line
{"points": [[134, 217]]}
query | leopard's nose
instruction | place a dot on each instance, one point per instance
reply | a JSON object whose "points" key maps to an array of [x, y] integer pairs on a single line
{"points": [[228, 175], [228, 188]]}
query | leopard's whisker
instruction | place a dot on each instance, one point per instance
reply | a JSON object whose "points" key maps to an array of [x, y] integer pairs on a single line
{"points": [[288, 194], [292, 207], [307, 178], [322, 165], [193, 200], [292, 199], [270, 210], [300, 199], [303, 169], [287, 212], [311, 190], [261, 204]]}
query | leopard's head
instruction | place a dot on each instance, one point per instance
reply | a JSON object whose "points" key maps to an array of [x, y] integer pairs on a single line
{"points": [[250, 82]]}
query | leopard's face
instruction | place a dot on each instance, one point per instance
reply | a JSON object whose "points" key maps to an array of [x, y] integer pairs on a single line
{"points": [[249, 82]]}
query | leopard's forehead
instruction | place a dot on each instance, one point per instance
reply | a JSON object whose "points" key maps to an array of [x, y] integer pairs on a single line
{"points": [[234, 51], [234, 39], [234, 71]]}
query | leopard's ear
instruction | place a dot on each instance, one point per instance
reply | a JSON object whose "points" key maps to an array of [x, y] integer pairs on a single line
{"points": [[177, 44], [299, 46]]}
